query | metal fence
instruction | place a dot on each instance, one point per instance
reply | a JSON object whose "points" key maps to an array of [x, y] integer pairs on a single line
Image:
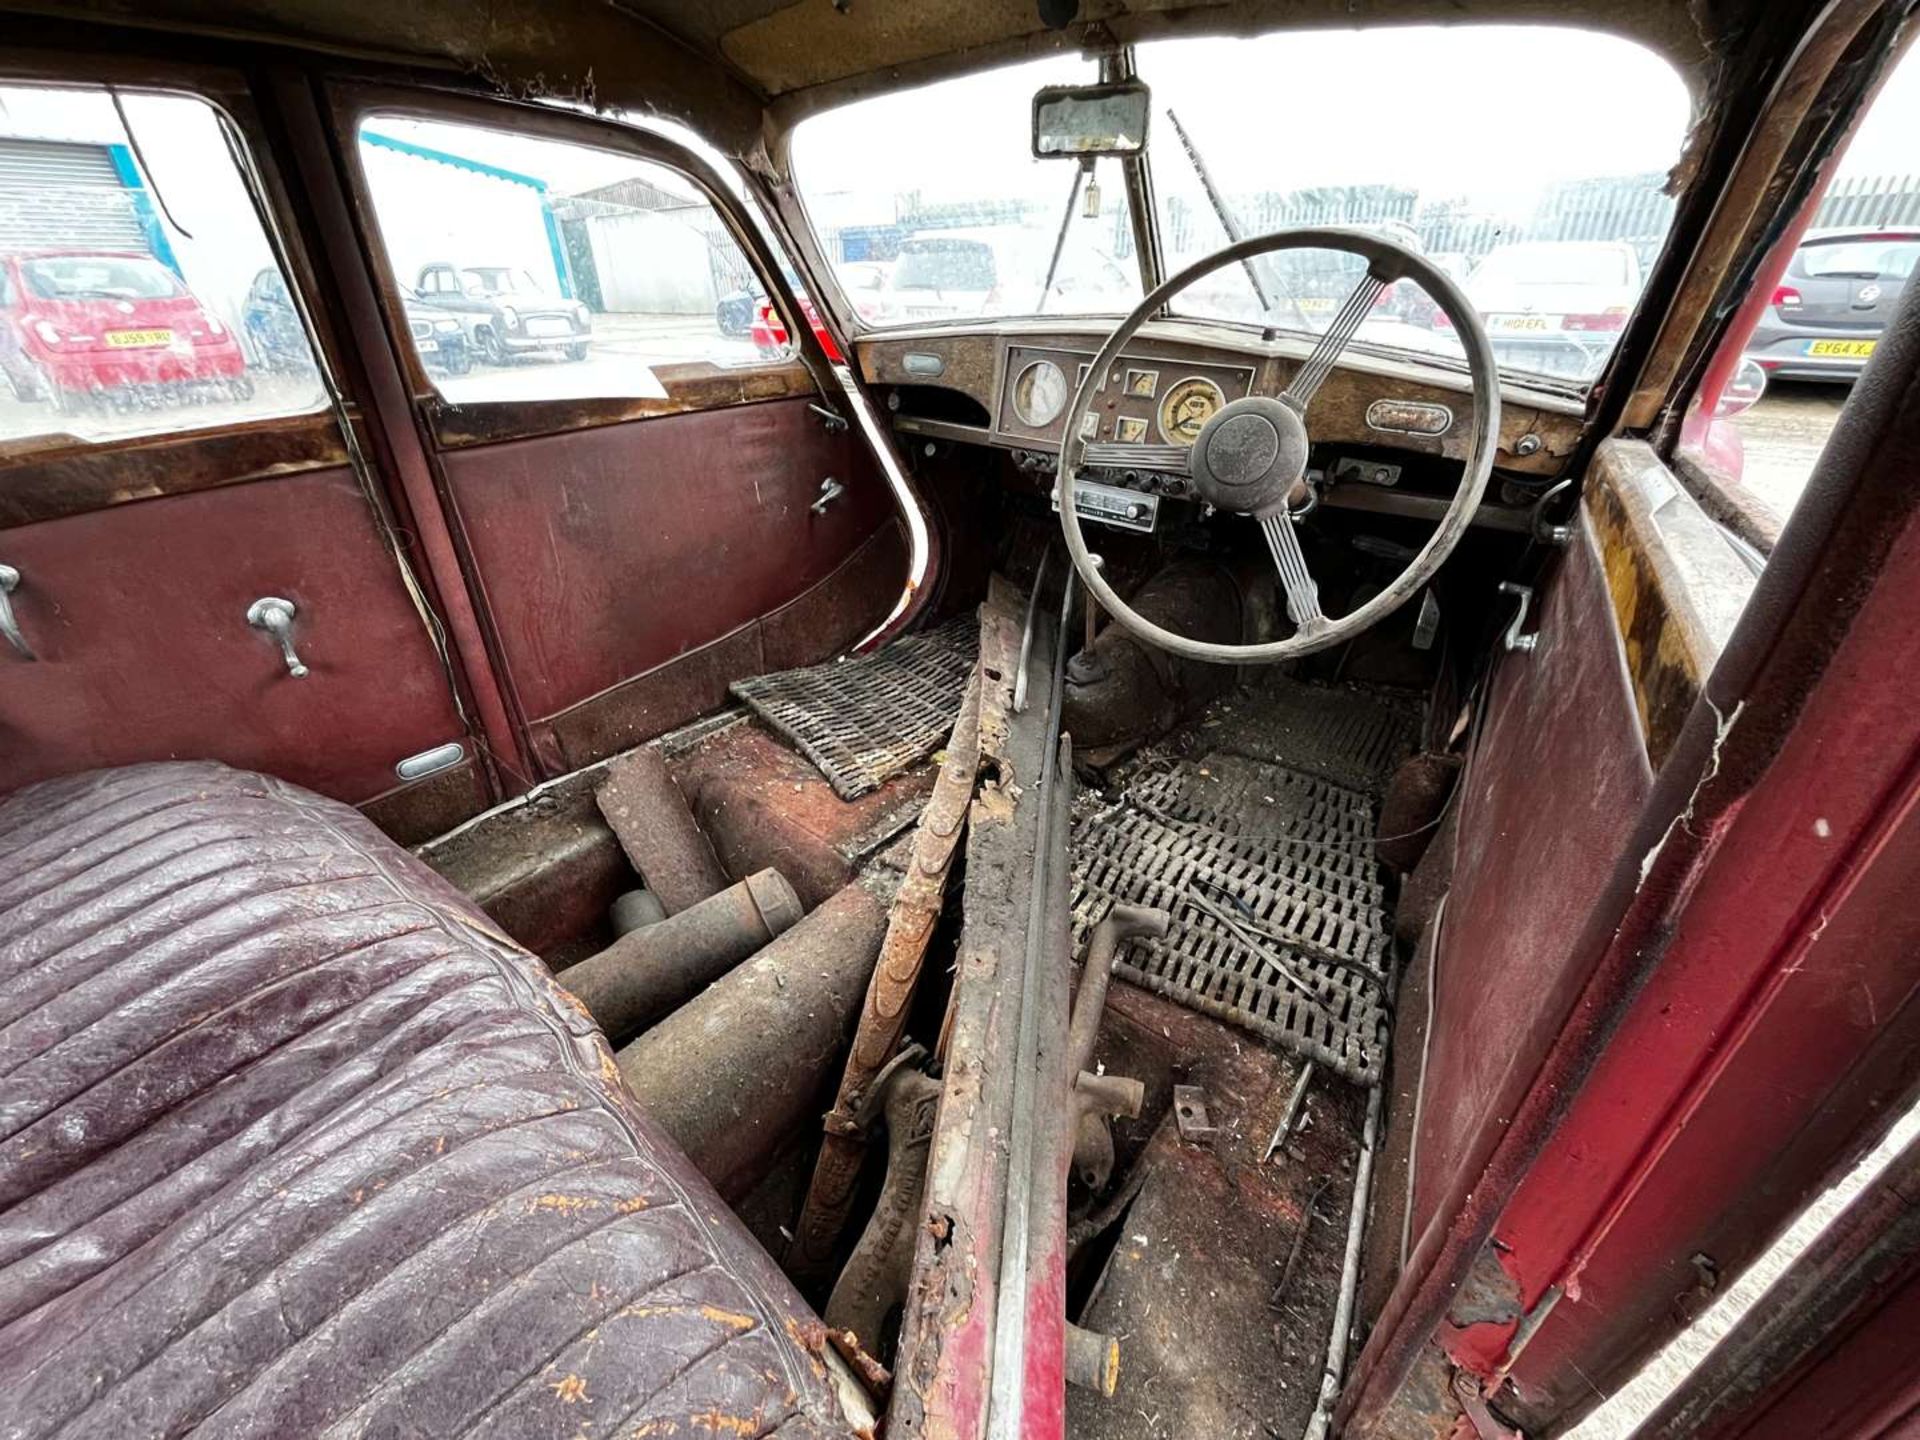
{"points": [[1862, 200], [1632, 209]]}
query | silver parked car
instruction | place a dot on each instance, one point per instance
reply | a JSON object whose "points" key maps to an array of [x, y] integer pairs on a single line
{"points": [[1839, 291]]}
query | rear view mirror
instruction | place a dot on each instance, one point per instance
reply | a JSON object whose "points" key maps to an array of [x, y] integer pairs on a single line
{"points": [[1081, 121]]}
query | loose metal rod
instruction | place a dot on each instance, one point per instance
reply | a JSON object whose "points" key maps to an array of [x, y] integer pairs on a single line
{"points": [[1322, 1415]]}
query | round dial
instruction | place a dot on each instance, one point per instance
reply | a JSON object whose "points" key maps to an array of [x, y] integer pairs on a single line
{"points": [[1186, 408], [1040, 393]]}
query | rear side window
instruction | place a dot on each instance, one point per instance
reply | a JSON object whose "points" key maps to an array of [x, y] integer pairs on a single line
{"points": [[536, 269], [138, 293], [1857, 260]]}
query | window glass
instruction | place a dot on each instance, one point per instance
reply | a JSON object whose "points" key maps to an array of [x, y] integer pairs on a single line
{"points": [[534, 269], [1548, 224], [138, 293], [1870, 259], [1758, 428], [931, 207], [1547, 203]]}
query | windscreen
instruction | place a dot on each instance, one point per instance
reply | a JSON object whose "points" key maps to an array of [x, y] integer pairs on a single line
{"points": [[1529, 164], [939, 186]]}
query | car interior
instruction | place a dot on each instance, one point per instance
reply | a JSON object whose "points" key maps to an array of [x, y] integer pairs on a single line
{"points": [[1185, 798]]}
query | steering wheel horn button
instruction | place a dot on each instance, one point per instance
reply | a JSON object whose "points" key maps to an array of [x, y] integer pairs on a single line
{"points": [[1250, 456]]}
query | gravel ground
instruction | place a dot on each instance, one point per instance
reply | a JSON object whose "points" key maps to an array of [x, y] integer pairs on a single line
{"points": [[1783, 436]]}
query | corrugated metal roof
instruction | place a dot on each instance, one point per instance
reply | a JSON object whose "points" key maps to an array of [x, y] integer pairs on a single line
{"points": [[58, 196]]}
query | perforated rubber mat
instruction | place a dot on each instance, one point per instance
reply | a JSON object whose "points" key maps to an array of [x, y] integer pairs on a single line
{"points": [[864, 721], [1351, 736], [1278, 917]]}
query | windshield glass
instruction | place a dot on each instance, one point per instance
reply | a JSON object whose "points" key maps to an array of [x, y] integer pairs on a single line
{"points": [[1472, 145], [100, 277], [939, 186]]}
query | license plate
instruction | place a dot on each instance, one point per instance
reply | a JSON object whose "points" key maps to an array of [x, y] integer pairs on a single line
{"points": [[1510, 323], [1841, 349], [427, 347], [543, 327], [138, 339]]}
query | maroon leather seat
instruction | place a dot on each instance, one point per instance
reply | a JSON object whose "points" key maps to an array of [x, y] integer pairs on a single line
{"points": [[293, 1142]]}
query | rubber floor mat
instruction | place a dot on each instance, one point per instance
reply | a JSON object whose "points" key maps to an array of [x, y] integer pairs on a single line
{"points": [[1342, 733], [865, 720], [1279, 920]]}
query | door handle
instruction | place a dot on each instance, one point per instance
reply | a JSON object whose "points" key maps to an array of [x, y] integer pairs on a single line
{"points": [[10, 627], [275, 616]]}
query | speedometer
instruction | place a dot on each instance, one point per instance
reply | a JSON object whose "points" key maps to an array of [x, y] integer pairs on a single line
{"points": [[1040, 393], [1186, 408]]}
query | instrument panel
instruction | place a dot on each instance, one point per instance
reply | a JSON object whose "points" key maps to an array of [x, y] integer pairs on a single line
{"points": [[1143, 399]]}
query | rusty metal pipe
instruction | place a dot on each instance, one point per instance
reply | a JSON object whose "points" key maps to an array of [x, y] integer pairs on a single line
{"points": [[651, 972], [1093, 1360], [739, 1070], [1123, 922], [656, 828]]}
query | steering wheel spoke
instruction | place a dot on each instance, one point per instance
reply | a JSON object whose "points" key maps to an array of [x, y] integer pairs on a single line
{"points": [[1338, 335], [1303, 595], [1112, 455]]}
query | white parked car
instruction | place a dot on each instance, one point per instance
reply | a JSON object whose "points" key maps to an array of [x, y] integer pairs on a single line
{"points": [[953, 274], [1556, 307]]}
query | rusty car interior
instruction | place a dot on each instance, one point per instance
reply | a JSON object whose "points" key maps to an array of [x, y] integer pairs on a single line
{"points": [[864, 854]]}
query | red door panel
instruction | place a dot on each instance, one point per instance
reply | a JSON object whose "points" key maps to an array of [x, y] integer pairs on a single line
{"points": [[606, 553], [138, 615], [1553, 788]]}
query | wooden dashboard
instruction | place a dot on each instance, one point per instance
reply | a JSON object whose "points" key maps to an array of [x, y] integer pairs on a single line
{"points": [[1368, 400]]}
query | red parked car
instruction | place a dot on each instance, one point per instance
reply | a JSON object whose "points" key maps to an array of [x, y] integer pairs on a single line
{"points": [[770, 331], [110, 326]]}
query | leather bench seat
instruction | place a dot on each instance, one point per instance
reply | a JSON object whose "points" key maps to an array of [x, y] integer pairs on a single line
{"points": [[293, 1142]]}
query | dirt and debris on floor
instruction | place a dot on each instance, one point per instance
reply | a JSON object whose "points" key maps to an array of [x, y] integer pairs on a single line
{"points": [[1207, 1347]]}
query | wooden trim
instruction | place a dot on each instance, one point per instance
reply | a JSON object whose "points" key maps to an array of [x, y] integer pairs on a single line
{"points": [[79, 476], [692, 385], [1677, 586]]}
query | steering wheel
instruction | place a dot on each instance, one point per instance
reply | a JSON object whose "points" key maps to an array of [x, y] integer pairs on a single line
{"points": [[1251, 457]]}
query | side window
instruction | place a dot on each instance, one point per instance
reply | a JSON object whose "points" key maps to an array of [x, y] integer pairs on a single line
{"points": [[534, 269], [138, 293], [1812, 325]]}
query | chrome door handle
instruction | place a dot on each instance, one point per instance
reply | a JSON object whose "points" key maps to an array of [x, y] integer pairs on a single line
{"points": [[10, 627], [275, 616]]}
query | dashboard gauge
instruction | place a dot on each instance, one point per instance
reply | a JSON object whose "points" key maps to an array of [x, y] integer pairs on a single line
{"points": [[1040, 393], [1186, 408]]}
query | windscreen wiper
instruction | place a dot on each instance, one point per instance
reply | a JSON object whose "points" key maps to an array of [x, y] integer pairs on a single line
{"points": [[1080, 172], [1230, 225]]}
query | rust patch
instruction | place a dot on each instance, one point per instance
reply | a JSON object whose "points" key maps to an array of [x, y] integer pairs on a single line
{"points": [[563, 1204], [571, 1389], [633, 1204], [717, 1422], [731, 1319]]}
